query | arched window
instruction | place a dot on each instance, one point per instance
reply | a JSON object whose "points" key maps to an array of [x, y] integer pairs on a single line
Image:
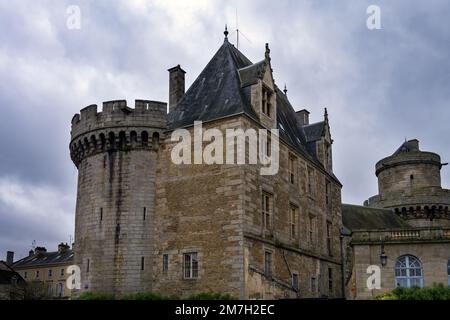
{"points": [[408, 272]]}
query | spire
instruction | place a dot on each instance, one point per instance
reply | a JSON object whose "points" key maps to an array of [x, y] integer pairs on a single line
{"points": [[226, 33], [285, 89]]}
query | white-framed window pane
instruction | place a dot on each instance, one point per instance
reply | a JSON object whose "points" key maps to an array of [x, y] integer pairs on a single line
{"points": [[408, 272]]}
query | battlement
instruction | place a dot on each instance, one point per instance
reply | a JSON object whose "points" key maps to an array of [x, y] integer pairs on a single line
{"points": [[116, 113], [117, 127], [421, 157]]}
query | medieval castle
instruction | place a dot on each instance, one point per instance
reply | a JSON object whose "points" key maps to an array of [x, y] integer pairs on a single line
{"points": [[144, 223]]}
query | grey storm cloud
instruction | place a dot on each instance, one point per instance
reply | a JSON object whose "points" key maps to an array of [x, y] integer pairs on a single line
{"points": [[380, 86]]}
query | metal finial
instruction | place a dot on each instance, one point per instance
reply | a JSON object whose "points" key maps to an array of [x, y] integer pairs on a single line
{"points": [[326, 114], [226, 32], [285, 89]]}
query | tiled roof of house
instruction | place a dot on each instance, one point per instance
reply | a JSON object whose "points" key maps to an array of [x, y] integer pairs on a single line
{"points": [[44, 258]]}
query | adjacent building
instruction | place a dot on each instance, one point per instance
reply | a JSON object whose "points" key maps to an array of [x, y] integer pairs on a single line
{"points": [[46, 273], [12, 285], [405, 229]]}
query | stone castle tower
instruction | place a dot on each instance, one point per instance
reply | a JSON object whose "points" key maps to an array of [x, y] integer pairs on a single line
{"points": [[144, 223], [409, 183], [116, 152]]}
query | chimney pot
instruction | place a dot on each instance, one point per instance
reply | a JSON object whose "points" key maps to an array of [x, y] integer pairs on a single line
{"points": [[176, 85]]}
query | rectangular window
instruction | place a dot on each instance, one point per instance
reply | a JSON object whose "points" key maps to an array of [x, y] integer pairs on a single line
{"points": [[292, 166], [62, 272], [313, 285], [37, 273], [293, 218], [50, 272], [329, 230], [142, 263], [330, 280], [25, 274], [328, 193], [268, 146], [165, 266], [266, 209], [312, 227], [266, 104], [144, 214], [190, 265], [101, 214], [310, 181], [88, 265], [268, 264], [295, 281]]}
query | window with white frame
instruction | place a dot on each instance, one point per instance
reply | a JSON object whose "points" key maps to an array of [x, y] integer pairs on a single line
{"points": [[266, 210], [190, 265], [408, 272]]}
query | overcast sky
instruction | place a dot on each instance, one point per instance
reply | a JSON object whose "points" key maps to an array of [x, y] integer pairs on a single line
{"points": [[380, 86]]}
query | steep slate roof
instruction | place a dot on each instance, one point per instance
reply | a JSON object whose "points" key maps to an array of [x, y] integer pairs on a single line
{"points": [[313, 132], [216, 92], [223, 89], [45, 258], [357, 218]]}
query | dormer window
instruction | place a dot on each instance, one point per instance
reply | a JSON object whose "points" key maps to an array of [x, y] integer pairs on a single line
{"points": [[266, 98]]}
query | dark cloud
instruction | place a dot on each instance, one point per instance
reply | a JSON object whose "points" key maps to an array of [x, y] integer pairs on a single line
{"points": [[379, 86]]}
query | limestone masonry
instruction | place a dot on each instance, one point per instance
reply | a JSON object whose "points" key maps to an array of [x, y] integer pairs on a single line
{"points": [[144, 223]]}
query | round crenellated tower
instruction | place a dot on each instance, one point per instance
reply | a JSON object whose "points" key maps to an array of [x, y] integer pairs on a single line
{"points": [[116, 153], [409, 183]]}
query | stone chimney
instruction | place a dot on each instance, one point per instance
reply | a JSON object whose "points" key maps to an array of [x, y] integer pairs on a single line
{"points": [[413, 144], [30, 253], [303, 117], [63, 247], [9, 258], [40, 250], [176, 85]]}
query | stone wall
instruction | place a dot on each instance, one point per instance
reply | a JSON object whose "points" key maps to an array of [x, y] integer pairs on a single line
{"points": [[430, 246]]}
